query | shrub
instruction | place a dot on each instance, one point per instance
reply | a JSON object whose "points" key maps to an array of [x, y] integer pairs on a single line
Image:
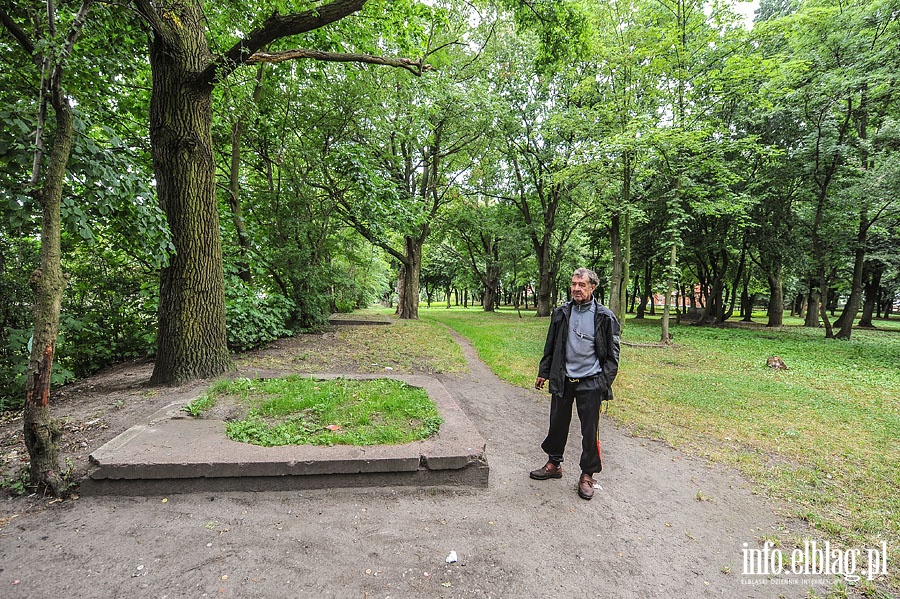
{"points": [[253, 317]]}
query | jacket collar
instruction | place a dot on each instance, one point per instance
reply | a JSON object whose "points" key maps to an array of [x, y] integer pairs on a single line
{"points": [[569, 305]]}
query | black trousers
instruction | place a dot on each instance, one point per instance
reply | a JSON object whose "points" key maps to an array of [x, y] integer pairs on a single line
{"points": [[588, 404]]}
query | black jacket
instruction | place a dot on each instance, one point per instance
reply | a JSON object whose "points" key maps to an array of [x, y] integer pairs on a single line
{"points": [[606, 343]]}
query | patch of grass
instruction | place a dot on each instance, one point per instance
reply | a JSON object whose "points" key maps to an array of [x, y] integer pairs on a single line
{"points": [[510, 345], [201, 405], [306, 411], [820, 436]]}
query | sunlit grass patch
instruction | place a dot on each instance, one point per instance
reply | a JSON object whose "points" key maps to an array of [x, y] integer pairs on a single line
{"points": [[306, 411]]}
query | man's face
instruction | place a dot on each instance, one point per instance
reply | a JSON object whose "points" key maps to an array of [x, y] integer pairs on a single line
{"points": [[581, 289]]}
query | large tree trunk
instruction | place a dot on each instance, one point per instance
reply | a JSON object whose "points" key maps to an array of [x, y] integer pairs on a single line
{"points": [[845, 322], [823, 304], [715, 305], [616, 284], [874, 271], [491, 283], [191, 341], [812, 306], [41, 433], [670, 289], [848, 316], [647, 294], [546, 281], [626, 240], [408, 301], [775, 309]]}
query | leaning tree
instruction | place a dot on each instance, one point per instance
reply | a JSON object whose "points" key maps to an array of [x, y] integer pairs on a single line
{"points": [[49, 45]]}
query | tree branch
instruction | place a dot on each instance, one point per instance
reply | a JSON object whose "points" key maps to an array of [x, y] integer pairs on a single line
{"points": [[416, 67], [71, 38], [17, 32], [274, 28], [146, 9], [77, 26], [362, 229]]}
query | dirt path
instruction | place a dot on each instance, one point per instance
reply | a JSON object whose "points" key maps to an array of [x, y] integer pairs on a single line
{"points": [[663, 525]]}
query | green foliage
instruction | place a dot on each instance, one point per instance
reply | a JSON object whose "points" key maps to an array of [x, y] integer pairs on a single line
{"points": [[560, 26], [360, 274], [306, 411], [254, 318], [17, 483], [108, 311], [107, 315], [201, 405], [112, 197], [18, 259]]}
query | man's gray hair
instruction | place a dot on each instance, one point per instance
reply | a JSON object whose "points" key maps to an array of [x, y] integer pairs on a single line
{"points": [[590, 274]]}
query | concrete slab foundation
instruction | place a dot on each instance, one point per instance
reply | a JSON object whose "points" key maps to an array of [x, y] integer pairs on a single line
{"points": [[175, 453]]}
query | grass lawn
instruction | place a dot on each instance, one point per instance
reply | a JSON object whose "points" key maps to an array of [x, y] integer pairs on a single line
{"points": [[821, 436], [299, 410]]}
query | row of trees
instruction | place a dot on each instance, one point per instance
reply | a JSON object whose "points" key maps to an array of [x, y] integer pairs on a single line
{"points": [[180, 179]]}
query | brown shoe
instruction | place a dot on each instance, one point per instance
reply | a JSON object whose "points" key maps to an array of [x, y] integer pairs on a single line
{"points": [[550, 470], [586, 486]]}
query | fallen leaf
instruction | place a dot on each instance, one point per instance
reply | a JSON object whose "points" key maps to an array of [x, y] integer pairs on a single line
{"points": [[333, 427]]}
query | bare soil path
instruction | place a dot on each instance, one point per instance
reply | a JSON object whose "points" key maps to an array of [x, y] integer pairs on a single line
{"points": [[663, 525]]}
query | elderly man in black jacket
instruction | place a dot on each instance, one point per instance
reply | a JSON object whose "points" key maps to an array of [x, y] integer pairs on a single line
{"points": [[581, 359]]}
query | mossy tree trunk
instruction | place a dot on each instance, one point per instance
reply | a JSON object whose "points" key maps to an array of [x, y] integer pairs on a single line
{"points": [[191, 340], [41, 432]]}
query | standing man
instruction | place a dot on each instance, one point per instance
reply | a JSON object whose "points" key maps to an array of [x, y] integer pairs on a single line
{"points": [[581, 359]]}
